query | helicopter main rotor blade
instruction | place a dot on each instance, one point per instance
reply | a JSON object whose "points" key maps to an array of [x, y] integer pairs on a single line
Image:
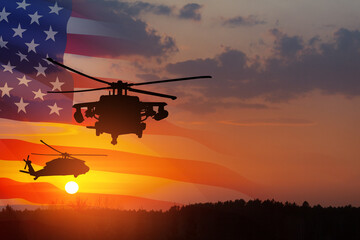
{"points": [[75, 71], [152, 93], [169, 80], [85, 90], [46, 154], [87, 155], [51, 147]]}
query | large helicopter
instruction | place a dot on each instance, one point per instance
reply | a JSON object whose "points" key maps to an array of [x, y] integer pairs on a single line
{"points": [[119, 113], [64, 165]]}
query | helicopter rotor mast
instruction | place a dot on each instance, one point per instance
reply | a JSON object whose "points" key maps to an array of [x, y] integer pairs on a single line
{"points": [[120, 85]]}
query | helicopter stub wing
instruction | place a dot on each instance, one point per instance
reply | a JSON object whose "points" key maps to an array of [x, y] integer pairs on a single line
{"points": [[87, 104], [153, 104]]}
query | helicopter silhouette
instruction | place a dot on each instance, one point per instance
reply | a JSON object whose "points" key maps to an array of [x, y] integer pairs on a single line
{"points": [[119, 113], [65, 165]]}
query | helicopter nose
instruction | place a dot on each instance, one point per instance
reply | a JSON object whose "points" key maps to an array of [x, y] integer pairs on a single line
{"points": [[86, 168]]}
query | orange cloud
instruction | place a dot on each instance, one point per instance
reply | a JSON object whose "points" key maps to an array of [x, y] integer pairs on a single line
{"points": [[287, 122]]}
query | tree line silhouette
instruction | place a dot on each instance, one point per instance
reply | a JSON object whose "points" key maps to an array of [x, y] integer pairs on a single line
{"points": [[238, 219]]}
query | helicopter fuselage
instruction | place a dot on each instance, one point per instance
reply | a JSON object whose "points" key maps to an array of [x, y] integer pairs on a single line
{"points": [[120, 114], [60, 167]]}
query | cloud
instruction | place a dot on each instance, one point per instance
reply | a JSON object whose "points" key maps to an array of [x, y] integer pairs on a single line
{"points": [[295, 68], [285, 45], [136, 8], [191, 11], [250, 20], [137, 37], [202, 105], [148, 77]]}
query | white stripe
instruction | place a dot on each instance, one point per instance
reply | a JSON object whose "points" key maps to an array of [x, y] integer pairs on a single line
{"points": [[122, 69], [92, 27]]}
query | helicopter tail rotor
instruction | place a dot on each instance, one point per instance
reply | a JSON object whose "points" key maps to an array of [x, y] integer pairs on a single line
{"points": [[27, 162]]}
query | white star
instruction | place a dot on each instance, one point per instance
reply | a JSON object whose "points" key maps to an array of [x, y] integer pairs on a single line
{"points": [[22, 56], [3, 43], [35, 18], [40, 70], [19, 31], [57, 85], [54, 109], [50, 34], [55, 9], [47, 61], [39, 94], [21, 105], [23, 5], [8, 67], [31, 46], [5, 90], [24, 81], [4, 15]]}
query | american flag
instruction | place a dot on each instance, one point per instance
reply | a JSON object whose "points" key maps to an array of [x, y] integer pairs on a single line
{"points": [[137, 173], [30, 33]]}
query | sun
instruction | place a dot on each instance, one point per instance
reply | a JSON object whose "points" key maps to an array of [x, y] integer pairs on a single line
{"points": [[71, 187]]}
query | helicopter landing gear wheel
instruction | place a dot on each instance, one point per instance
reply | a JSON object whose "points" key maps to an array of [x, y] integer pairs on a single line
{"points": [[141, 129], [139, 134], [114, 139], [76, 175]]}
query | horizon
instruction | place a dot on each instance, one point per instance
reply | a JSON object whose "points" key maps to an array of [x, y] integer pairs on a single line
{"points": [[278, 120]]}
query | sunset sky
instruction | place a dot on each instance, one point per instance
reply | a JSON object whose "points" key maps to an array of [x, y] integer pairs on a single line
{"points": [[278, 120]]}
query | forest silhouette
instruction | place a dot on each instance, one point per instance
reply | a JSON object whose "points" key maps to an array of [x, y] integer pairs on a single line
{"points": [[238, 219]]}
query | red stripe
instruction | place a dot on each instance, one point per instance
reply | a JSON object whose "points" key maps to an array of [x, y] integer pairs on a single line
{"points": [[99, 46], [176, 169], [46, 193], [88, 10], [84, 82]]}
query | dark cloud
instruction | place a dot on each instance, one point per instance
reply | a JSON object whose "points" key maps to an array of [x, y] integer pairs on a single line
{"points": [[136, 8], [134, 36], [296, 68], [191, 11], [133, 9], [250, 20], [285, 45]]}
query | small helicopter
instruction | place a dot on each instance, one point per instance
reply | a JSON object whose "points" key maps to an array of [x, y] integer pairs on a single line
{"points": [[65, 165], [119, 113]]}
